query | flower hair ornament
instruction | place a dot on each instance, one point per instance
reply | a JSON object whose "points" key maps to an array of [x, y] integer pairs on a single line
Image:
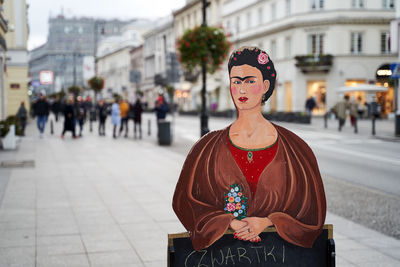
{"points": [[262, 58]]}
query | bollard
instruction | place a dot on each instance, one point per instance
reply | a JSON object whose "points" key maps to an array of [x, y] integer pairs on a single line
{"points": [[51, 127], [149, 128], [373, 125], [326, 120], [90, 126]]}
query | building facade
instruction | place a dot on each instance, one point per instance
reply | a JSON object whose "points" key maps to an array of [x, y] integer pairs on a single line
{"points": [[316, 46], [136, 73], [160, 61], [16, 70], [188, 92], [3, 56], [114, 59], [71, 44]]}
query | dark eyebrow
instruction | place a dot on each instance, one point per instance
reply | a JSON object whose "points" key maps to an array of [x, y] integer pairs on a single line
{"points": [[244, 78]]}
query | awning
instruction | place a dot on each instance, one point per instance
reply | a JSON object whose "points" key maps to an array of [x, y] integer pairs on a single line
{"points": [[368, 88]]}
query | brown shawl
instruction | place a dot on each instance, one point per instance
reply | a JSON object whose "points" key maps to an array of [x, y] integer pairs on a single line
{"points": [[289, 192]]}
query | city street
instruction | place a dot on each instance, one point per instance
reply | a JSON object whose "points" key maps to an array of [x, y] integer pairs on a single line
{"points": [[96, 201]]}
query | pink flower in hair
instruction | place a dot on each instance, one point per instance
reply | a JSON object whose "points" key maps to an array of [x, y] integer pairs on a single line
{"points": [[262, 58]]}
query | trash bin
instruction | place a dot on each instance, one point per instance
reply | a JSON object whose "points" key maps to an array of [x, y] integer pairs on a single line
{"points": [[164, 132]]}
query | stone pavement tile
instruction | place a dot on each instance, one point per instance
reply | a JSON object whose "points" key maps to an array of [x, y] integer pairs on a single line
{"points": [[106, 245], [60, 249], [365, 256], [59, 239], [109, 231], [148, 231], [113, 258], [392, 252], [155, 263], [17, 238], [385, 263], [12, 219], [341, 262], [152, 251], [94, 217], [172, 227], [17, 257], [73, 260], [164, 212], [64, 229], [126, 214]]}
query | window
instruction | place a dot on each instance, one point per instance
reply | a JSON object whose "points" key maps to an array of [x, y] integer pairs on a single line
{"points": [[237, 24], [260, 16], [273, 49], [388, 4], [248, 20], [288, 7], [358, 3], [273, 11], [317, 4], [385, 48], [316, 44], [356, 43], [288, 47]]}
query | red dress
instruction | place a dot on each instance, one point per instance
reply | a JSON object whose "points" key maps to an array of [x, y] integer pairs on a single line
{"points": [[252, 162]]}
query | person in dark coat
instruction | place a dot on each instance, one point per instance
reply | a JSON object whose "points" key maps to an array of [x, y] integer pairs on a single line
{"points": [[69, 115], [161, 108], [137, 117], [81, 115], [103, 112], [42, 112], [22, 115], [56, 107]]}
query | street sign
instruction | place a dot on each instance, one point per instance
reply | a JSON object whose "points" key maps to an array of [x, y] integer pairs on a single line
{"points": [[395, 67], [135, 76], [46, 77]]}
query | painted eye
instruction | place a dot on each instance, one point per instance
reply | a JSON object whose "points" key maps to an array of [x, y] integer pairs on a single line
{"points": [[236, 82], [251, 81]]}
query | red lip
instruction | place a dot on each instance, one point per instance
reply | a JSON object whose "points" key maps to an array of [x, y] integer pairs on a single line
{"points": [[243, 99]]}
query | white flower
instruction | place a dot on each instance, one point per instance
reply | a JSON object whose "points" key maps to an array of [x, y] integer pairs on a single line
{"points": [[235, 214]]}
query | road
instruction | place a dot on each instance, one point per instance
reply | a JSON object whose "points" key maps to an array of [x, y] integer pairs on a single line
{"points": [[360, 173]]}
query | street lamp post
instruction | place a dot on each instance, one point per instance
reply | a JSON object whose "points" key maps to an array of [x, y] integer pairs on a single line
{"points": [[204, 117]]}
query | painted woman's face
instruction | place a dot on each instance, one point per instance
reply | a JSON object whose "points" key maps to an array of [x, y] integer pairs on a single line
{"points": [[247, 86]]}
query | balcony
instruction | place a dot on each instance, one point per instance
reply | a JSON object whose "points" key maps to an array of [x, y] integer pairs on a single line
{"points": [[314, 63]]}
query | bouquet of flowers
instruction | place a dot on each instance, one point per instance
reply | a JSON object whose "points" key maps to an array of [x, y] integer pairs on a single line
{"points": [[236, 202]]}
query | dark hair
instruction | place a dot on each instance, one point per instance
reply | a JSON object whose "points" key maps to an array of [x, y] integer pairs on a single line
{"points": [[248, 55]]}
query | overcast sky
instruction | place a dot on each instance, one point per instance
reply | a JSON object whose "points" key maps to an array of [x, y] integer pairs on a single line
{"points": [[40, 10]]}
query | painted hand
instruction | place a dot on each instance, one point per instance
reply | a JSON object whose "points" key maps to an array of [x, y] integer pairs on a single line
{"points": [[236, 224], [254, 227]]}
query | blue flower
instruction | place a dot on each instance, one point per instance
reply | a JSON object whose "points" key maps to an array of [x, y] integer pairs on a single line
{"points": [[224, 208], [234, 194], [229, 194], [243, 207], [240, 211], [236, 188], [235, 214], [237, 199], [232, 190]]}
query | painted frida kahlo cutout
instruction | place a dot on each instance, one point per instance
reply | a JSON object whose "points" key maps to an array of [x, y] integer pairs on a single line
{"points": [[252, 174]]}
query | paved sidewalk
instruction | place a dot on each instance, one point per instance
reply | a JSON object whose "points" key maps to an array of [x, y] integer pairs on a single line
{"points": [[96, 201]]}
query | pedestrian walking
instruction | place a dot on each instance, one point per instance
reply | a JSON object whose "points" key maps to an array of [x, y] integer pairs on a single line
{"points": [[69, 118], [81, 115], [124, 108], [310, 105], [137, 117], [340, 109], [22, 116], [353, 107], [42, 112], [102, 112], [56, 107], [115, 117]]}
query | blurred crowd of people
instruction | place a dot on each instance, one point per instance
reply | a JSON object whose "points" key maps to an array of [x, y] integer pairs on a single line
{"points": [[77, 111]]}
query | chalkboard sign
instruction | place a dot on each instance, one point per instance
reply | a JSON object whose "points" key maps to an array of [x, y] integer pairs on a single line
{"points": [[271, 251]]}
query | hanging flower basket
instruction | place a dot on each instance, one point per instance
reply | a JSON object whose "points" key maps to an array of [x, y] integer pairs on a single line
{"points": [[203, 44]]}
